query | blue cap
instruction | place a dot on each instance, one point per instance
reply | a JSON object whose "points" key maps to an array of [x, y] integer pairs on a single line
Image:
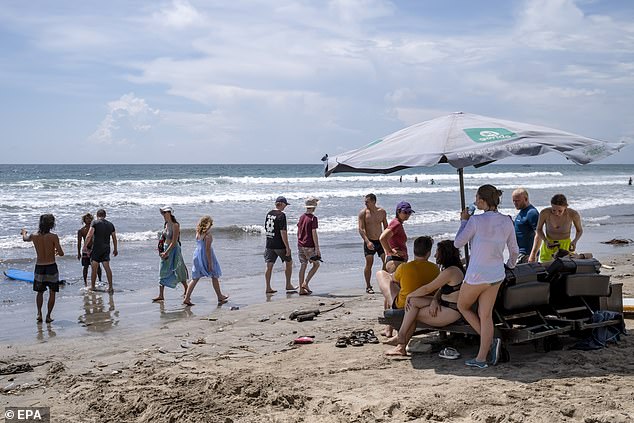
{"points": [[282, 199], [404, 206]]}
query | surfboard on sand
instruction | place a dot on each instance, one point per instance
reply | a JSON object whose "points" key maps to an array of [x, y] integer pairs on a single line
{"points": [[628, 305], [22, 275]]}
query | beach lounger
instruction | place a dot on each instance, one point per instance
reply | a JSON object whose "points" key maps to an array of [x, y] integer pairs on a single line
{"points": [[578, 291], [538, 305]]}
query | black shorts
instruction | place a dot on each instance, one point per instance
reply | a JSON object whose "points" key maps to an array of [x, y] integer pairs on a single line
{"points": [[394, 258], [46, 276], [378, 248], [271, 255], [85, 260], [100, 255]]}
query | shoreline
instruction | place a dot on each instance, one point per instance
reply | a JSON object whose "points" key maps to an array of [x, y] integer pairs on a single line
{"points": [[240, 367]]}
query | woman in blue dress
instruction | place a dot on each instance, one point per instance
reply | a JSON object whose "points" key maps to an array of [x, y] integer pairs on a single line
{"points": [[205, 261], [173, 270]]}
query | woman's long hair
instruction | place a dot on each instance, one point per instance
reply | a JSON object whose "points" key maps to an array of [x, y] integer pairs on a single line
{"points": [[204, 224], [449, 255]]}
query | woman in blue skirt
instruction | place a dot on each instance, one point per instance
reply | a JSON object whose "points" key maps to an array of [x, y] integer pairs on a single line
{"points": [[205, 261]]}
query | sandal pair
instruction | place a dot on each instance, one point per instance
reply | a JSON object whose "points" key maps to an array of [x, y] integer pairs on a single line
{"points": [[449, 353], [344, 341]]}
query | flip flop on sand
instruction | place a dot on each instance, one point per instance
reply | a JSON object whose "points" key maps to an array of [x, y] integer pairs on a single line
{"points": [[369, 290], [449, 353], [342, 342]]}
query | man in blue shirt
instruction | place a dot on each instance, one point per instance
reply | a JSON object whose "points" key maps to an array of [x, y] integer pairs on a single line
{"points": [[525, 223]]}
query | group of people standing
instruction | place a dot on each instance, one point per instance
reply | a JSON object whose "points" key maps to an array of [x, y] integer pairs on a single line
{"points": [[404, 284], [95, 234], [439, 296]]}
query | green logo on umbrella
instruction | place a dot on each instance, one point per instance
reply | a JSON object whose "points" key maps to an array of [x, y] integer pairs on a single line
{"points": [[489, 134]]}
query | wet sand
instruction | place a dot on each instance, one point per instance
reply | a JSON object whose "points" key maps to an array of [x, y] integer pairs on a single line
{"points": [[241, 366]]}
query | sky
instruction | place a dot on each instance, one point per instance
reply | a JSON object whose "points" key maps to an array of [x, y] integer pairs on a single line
{"points": [[280, 81]]}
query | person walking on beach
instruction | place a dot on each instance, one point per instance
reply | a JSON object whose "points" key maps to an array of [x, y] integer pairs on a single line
{"points": [[488, 233], [46, 274], [558, 220], [372, 221], [394, 240], [525, 223], [205, 263], [173, 269], [408, 277], [101, 230], [85, 256], [277, 244], [308, 245]]}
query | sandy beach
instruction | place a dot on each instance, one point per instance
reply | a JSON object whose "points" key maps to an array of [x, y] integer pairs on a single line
{"points": [[241, 366]]}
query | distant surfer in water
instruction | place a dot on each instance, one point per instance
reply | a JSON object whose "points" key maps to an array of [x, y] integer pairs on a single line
{"points": [[46, 275]]}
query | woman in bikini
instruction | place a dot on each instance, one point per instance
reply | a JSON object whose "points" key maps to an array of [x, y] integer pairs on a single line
{"points": [[439, 310], [394, 239], [558, 219]]}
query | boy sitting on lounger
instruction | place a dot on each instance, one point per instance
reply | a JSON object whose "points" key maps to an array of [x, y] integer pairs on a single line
{"points": [[408, 277]]}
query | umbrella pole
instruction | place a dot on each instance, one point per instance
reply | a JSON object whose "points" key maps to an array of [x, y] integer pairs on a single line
{"points": [[463, 205]]}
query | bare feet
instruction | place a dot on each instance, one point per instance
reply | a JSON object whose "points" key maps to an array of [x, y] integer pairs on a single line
{"points": [[39, 318], [291, 288], [400, 350], [48, 319], [304, 291], [223, 299], [392, 341], [387, 333], [157, 299]]}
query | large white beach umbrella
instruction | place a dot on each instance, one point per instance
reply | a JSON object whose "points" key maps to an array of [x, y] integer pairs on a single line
{"points": [[462, 140]]}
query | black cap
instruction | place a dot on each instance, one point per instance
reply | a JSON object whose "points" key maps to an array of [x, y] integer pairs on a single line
{"points": [[282, 199]]}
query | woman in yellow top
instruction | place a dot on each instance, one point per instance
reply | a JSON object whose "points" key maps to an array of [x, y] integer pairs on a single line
{"points": [[558, 219]]}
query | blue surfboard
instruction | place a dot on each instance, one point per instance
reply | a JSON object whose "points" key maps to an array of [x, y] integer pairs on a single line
{"points": [[22, 275], [19, 275]]}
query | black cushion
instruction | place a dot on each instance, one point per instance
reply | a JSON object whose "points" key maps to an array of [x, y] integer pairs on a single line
{"points": [[568, 266], [525, 295], [525, 272], [587, 285]]}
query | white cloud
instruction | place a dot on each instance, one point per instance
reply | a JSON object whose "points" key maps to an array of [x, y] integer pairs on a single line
{"points": [[180, 14], [127, 115]]}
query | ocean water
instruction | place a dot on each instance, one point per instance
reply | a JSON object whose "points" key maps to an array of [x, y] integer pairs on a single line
{"points": [[238, 197]]}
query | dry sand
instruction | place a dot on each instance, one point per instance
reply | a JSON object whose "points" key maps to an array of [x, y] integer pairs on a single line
{"points": [[241, 369]]}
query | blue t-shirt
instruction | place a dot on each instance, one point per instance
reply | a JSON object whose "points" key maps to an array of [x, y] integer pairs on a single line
{"points": [[525, 226]]}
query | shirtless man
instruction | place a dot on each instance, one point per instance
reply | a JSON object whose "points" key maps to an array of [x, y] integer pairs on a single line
{"points": [[558, 219], [372, 222], [46, 275]]}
